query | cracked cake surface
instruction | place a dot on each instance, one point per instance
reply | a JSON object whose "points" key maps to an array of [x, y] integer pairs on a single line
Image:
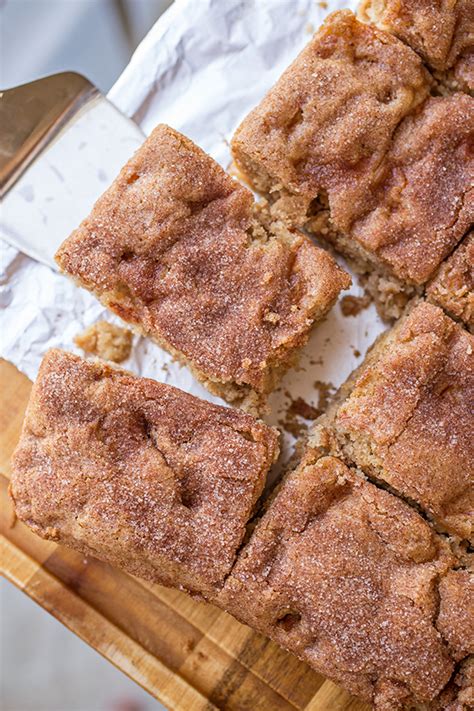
{"points": [[456, 612], [442, 33], [452, 287], [406, 416], [350, 144], [345, 575], [177, 248], [138, 473], [423, 203]]}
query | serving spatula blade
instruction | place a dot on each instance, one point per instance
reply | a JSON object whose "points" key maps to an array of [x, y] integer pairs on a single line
{"points": [[61, 144]]}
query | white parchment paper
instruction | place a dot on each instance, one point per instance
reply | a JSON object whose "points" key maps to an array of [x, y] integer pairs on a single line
{"points": [[201, 68]]}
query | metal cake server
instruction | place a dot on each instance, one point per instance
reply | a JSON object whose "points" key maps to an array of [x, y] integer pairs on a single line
{"points": [[61, 145]]}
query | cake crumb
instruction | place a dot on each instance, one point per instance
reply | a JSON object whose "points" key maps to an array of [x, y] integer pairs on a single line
{"points": [[323, 5], [303, 409], [309, 28], [353, 305], [299, 412], [106, 340], [325, 392]]}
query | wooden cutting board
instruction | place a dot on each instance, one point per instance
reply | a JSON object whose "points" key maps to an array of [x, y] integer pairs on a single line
{"points": [[188, 655]]}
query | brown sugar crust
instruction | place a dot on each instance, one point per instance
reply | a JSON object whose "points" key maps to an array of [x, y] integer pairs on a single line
{"points": [[453, 286], [461, 77], [176, 248], [138, 473], [456, 612], [424, 202], [406, 416], [442, 33], [345, 575]]}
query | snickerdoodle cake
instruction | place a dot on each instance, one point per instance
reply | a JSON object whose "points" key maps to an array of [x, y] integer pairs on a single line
{"points": [[177, 248], [406, 417], [138, 473], [349, 578]]}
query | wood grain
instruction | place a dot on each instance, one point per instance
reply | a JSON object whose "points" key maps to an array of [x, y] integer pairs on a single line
{"points": [[187, 654]]}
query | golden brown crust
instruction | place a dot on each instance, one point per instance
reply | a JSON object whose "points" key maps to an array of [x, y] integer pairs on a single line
{"points": [[456, 612], [423, 203], [452, 288], [345, 575], [442, 33], [407, 417], [461, 77], [138, 473], [349, 143], [175, 248]]}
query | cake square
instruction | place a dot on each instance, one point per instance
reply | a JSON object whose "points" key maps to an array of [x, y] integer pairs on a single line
{"points": [[406, 417], [345, 575], [138, 473], [442, 33], [177, 248], [423, 203], [349, 144], [452, 288], [322, 130]]}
